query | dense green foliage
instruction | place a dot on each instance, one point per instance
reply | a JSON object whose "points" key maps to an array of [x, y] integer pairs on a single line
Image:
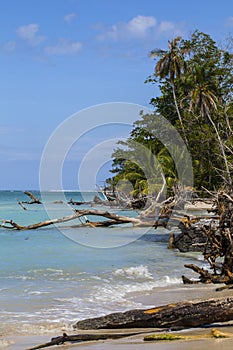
{"points": [[195, 78]]}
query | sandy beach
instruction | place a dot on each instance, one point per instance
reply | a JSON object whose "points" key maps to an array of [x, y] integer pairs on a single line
{"points": [[162, 296]]}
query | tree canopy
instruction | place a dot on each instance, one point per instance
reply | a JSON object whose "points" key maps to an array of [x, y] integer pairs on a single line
{"points": [[195, 77]]}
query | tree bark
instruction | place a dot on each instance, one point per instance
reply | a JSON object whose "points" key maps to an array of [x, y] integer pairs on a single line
{"points": [[179, 315], [81, 338], [114, 219], [34, 200]]}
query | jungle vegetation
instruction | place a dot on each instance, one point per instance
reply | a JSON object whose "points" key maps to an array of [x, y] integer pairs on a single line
{"points": [[195, 79]]}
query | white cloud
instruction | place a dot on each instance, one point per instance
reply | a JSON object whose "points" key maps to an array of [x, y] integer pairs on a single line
{"points": [[9, 46], [69, 17], [140, 27], [166, 27], [169, 29], [229, 21], [64, 47], [137, 27], [29, 33]]}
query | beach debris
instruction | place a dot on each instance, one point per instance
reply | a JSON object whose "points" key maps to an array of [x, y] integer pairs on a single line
{"points": [[215, 333], [163, 336], [82, 338], [114, 219], [22, 206], [34, 199], [172, 316], [193, 237], [77, 338], [218, 248]]}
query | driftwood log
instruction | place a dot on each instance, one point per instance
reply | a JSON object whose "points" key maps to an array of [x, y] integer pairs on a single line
{"points": [[158, 336], [171, 316], [113, 219], [218, 249], [76, 338]]}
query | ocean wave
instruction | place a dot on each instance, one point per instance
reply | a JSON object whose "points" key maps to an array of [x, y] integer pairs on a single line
{"points": [[97, 301], [33, 328], [109, 297], [117, 293], [137, 272], [37, 292]]}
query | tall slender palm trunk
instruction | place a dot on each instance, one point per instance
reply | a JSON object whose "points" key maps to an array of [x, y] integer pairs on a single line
{"points": [[222, 149], [179, 115]]}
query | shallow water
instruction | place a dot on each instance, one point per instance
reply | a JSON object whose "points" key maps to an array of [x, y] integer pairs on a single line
{"points": [[49, 281]]}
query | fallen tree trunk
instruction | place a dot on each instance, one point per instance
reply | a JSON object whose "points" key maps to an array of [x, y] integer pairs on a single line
{"points": [[82, 338], [179, 315], [114, 219]]}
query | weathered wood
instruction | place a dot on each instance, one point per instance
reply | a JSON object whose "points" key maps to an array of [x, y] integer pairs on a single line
{"points": [[81, 338], [114, 220], [182, 315], [219, 243], [33, 198], [22, 206], [71, 201]]}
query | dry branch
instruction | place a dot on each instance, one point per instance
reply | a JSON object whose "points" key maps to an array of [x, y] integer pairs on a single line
{"points": [[33, 198], [81, 338], [219, 243]]}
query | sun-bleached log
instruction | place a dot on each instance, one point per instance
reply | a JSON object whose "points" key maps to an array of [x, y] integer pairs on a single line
{"points": [[114, 220]]}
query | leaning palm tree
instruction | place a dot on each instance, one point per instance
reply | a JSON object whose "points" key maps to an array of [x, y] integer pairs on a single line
{"points": [[170, 65], [202, 99]]}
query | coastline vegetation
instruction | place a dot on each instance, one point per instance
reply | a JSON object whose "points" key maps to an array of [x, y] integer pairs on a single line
{"points": [[195, 78]]}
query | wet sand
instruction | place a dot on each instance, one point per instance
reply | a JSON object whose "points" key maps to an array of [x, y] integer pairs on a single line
{"points": [[154, 298], [137, 342]]}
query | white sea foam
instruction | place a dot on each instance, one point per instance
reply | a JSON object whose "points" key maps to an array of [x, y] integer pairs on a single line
{"points": [[37, 272], [37, 292], [46, 271], [5, 342], [117, 293], [109, 298], [137, 272]]}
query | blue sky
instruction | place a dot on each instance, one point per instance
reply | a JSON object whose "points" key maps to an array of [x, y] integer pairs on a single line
{"points": [[60, 56]]}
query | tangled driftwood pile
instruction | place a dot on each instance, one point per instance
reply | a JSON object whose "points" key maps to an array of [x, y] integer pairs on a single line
{"points": [[218, 248]]}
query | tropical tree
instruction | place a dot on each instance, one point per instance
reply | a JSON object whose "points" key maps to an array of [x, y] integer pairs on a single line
{"points": [[204, 94], [170, 66], [196, 91], [203, 100]]}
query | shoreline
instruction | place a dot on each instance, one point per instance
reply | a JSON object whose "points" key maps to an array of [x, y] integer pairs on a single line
{"points": [[158, 297]]}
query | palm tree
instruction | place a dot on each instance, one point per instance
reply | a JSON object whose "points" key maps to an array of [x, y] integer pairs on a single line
{"points": [[202, 99], [170, 65]]}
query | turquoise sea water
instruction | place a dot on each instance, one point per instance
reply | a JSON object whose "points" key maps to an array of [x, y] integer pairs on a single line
{"points": [[48, 280]]}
